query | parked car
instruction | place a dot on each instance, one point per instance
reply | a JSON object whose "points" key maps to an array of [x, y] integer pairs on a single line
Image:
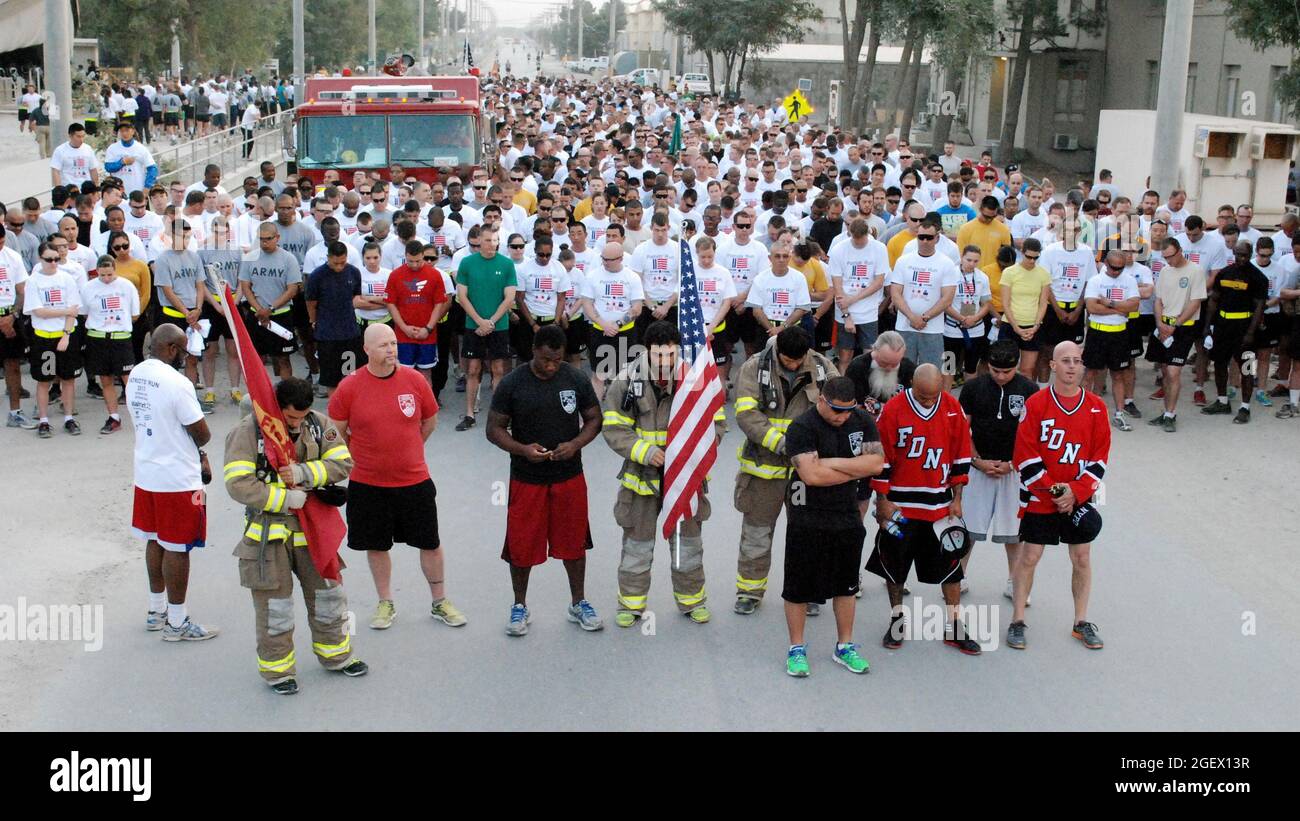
{"points": [[648, 77], [694, 83]]}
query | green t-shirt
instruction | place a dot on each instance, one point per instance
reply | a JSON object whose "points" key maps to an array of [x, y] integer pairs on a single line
{"points": [[487, 280]]}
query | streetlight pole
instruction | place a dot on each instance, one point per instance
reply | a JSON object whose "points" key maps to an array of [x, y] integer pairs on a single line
{"points": [[419, 24], [1174, 53], [371, 26], [578, 4], [299, 53], [58, 67]]}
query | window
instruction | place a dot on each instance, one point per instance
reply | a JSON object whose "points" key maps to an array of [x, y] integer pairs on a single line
{"points": [[432, 139], [1153, 83], [1230, 97], [1281, 111], [343, 142], [1191, 88], [1071, 90]]}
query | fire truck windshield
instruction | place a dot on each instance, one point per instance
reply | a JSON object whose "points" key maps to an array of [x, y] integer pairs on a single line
{"points": [[376, 141]]}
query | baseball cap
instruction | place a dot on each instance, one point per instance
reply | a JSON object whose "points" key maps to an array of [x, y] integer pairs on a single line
{"points": [[954, 539], [1086, 521]]}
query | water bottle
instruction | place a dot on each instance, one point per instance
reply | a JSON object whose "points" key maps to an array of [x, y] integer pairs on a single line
{"points": [[894, 524]]}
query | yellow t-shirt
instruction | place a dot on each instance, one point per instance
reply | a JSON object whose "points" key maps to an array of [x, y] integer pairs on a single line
{"points": [[897, 244], [989, 238], [994, 273], [1026, 290], [815, 274], [525, 200], [582, 209], [137, 273]]}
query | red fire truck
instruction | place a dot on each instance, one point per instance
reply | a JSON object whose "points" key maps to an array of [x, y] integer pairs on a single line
{"points": [[432, 127]]}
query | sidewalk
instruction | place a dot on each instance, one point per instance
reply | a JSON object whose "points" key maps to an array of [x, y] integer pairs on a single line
{"points": [[22, 171]]}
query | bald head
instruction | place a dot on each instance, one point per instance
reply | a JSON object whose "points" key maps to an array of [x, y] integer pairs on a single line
{"points": [[380, 344], [167, 343], [1064, 350], [927, 384]]}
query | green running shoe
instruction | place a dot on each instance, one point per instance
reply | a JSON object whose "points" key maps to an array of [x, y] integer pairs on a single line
{"points": [[796, 662], [847, 655]]}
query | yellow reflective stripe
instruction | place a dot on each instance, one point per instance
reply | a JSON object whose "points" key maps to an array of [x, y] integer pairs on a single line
{"points": [[275, 499], [654, 437], [48, 334], [1173, 320], [317, 470], [337, 452], [329, 651], [782, 425], [277, 533], [721, 415], [640, 487], [299, 539], [1135, 315], [761, 471], [277, 666], [170, 311], [746, 403], [1110, 329], [621, 329], [631, 602], [616, 418], [750, 585], [689, 599], [239, 467], [640, 451], [1235, 314], [772, 439]]}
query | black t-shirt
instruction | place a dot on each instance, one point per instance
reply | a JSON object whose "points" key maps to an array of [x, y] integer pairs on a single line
{"points": [[859, 371], [1238, 286], [825, 230], [836, 506], [995, 412], [547, 412]]}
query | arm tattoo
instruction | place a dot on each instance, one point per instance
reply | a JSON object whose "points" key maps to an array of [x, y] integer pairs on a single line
{"points": [[873, 448]]}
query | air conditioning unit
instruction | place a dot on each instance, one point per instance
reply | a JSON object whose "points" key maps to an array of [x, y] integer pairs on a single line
{"points": [[1065, 142]]}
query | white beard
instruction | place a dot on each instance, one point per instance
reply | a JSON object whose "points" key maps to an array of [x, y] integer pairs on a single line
{"points": [[882, 384]]}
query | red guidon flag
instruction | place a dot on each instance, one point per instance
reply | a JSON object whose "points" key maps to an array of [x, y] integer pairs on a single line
{"points": [[322, 524]]}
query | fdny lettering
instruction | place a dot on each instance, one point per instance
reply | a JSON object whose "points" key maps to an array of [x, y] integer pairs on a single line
{"points": [[1055, 439], [933, 457]]}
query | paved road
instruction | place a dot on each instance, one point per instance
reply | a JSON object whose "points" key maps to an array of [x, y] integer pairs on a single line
{"points": [[1193, 540]]}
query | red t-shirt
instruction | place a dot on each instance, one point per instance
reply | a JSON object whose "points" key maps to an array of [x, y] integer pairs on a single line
{"points": [[416, 294], [384, 417]]}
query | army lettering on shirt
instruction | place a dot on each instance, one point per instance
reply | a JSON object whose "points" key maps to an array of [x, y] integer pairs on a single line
{"points": [[181, 271], [270, 275]]}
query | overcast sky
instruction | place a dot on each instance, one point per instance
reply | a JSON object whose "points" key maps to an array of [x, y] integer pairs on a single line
{"points": [[519, 13]]}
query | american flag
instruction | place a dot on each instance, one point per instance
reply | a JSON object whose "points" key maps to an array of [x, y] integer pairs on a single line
{"points": [[692, 446], [545, 284], [709, 286], [112, 303], [923, 277], [1116, 294], [661, 263], [439, 241], [740, 263], [613, 289], [1195, 256], [861, 270], [54, 296], [1071, 271], [378, 288], [780, 297]]}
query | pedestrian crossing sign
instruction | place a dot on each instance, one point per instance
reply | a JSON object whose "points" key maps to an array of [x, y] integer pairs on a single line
{"points": [[796, 105]]}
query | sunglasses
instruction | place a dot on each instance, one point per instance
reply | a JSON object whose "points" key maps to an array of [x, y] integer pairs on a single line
{"points": [[121, 247], [743, 226], [612, 259], [517, 247], [540, 253], [558, 220], [49, 259], [1031, 259], [480, 188], [926, 237]]}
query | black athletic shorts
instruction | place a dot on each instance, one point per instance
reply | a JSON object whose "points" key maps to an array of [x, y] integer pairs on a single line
{"points": [[576, 335], [646, 317], [380, 516], [821, 563], [1106, 350], [1269, 334], [1228, 337], [966, 358], [495, 345], [1050, 528], [265, 342], [48, 363], [301, 319], [741, 327], [1293, 343], [1177, 352], [893, 557], [171, 118], [335, 361], [609, 355], [1054, 331], [109, 357], [14, 347], [1035, 342], [220, 328], [1139, 329]]}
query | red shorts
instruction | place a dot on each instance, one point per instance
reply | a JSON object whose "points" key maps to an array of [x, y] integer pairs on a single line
{"points": [[546, 514], [178, 520]]}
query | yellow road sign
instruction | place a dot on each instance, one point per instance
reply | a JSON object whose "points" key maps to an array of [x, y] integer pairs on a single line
{"points": [[796, 105]]}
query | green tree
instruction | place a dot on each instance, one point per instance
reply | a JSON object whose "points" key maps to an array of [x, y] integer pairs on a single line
{"points": [[1265, 24]]}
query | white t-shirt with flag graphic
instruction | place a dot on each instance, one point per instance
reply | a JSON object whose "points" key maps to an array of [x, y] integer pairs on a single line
{"points": [[110, 308], [595, 229], [1105, 286], [659, 267], [1210, 253], [1156, 263], [573, 294], [374, 284], [779, 296], [972, 291], [612, 294], [12, 274], [745, 262], [448, 239], [714, 285], [858, 268], [57, 290], [541, 285], [923, 280], [1070, 270]]}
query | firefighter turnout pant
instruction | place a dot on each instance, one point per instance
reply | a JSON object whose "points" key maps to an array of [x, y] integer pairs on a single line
{"points": [[271, 581], [760, 501], [637, 514]]}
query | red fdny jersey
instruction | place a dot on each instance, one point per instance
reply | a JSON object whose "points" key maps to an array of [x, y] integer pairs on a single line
{"points": [[927, 452], [1061, 441]]}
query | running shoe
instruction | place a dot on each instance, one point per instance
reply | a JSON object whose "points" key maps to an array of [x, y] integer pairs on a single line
{"points": [[1242, 417], [518, 625], [385, 612], [1156, 421], [111, 425], [584, 615], [894, 635], [1171, 424], [1262, 398], [958, 636], [1198, 398], [285, 687], [700, 615], [236, 395], [465, 424], [1279, 391], [154, 621], [1121, 422], [447, 613], [745, 606], [625, 618], [1086, 632], [44, 431], [1132, 409], [18, 419], [813, 609], [1159, 394], [1016, 635], [1216, 408], [354, 668], [208, 403], [847, 655], [190, 630], [71, 426], [796, 661], [321, 392], [1287, 411]]}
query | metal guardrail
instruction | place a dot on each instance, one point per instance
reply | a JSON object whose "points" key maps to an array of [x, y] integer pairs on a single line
{"points": [[272, 140]]}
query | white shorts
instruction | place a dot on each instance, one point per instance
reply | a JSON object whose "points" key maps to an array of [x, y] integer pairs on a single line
{"points": [[990, 507]]}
